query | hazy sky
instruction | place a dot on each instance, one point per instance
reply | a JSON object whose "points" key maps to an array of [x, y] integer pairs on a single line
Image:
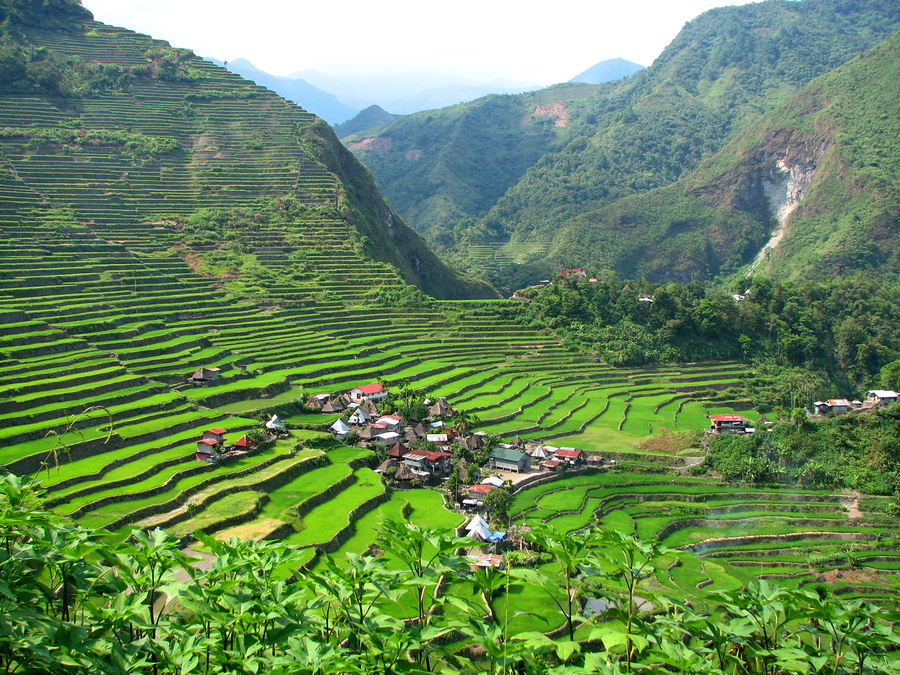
{"points": [[538, 43]]}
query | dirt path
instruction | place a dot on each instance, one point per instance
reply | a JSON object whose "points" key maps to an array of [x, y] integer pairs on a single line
{"points": [[851, 503]]}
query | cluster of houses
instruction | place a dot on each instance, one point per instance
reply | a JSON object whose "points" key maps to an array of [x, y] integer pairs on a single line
{"points": [[212, 446], [875, 398], [422, 453]]}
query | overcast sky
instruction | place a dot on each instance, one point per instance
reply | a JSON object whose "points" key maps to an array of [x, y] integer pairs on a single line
{"points": [[537, 43]]}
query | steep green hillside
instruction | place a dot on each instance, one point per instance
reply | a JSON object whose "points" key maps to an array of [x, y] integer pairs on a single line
{"points": [[124, 131], [438, 167], [820, 172], [724, 70]]}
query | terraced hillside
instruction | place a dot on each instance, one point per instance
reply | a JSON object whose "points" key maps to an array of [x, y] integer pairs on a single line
{"points": [[88, 322], [130, 138], [177, 217], [793, 536]]}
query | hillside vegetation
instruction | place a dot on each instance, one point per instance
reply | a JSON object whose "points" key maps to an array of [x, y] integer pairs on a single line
{"points": [[820, 170], [723, 71], [127, 133]]}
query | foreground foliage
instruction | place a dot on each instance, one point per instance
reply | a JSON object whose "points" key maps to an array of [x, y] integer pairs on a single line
{"points": [[74, 604]]}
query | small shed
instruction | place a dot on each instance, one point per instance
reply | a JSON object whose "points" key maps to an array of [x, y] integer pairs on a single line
{"points": [[206, 375], [244, 442], [509, 459], [882, 396]]}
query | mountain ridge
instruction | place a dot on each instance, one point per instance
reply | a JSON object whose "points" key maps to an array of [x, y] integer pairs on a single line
{"points": [[607, 71]]}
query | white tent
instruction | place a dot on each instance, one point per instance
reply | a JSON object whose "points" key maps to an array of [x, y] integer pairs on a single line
{"points": [[340, 427], [275, 423], [478, 528]]}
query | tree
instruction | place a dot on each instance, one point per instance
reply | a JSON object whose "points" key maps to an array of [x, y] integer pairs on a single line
{"points": [[570, 552], [497, 502]]}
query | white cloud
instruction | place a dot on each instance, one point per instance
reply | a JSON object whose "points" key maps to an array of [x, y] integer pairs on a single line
{"points": [[483, 39]]}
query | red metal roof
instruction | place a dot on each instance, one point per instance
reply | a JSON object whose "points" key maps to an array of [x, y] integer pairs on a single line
{"points": [[727, 418], [208, 441], [839, 401], [244, 442], [484, 489], [568, 453], [215, 430], [373, 388], [434, 456]]}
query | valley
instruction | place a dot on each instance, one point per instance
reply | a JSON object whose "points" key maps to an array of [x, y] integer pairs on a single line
{"points": [[198, 275]]}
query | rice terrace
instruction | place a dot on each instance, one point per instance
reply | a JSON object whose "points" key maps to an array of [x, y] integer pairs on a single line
{"points": [[220, 348]]}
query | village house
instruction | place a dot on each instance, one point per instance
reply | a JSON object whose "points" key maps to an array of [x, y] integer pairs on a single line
{"points": [[397, 451], [275, 424], [317, 400], [553, 465], [359, 416], [336, 403], [432, 463], [216, 433], [730, 424], [835, 406], [207, 450], [368, 392], [572, 456], [509, 459], [479, 491], [882, 396], [441, 408], [390, 422], [205, 375], [386, 438]]}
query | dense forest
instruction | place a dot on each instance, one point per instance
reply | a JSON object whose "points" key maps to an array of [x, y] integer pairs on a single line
{"points": [[845, 328]]}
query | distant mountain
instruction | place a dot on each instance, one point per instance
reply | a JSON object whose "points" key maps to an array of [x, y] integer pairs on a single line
{"points": [[409, 92], [325, 105], [607, 71], [370, 118], [723, 71], [442, 166], [810, 190]]}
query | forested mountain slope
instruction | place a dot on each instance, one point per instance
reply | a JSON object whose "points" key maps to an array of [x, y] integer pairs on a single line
{"points": [[820, 172], [439, 167], [122, 131], [723, 71]]}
